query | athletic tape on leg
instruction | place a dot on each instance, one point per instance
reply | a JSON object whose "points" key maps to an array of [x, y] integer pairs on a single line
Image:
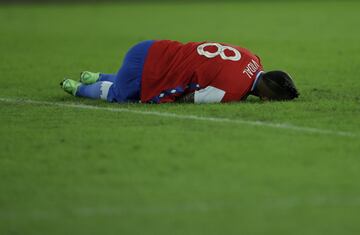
{"points": [[104, 88]]}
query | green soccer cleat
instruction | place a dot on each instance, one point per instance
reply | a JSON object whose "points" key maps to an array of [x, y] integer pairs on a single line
{"points": [[70, 86], [87, 77]]}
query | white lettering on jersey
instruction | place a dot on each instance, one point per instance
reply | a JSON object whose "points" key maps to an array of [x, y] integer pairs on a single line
{"points": [[251, 68], [220, 51], [209, 94]]}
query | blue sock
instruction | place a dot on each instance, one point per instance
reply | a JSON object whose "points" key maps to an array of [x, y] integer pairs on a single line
{"points": [[107, 77], [97, 90]]}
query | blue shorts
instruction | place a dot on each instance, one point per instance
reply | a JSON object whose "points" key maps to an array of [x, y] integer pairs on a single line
{"points": [[127, 85]]}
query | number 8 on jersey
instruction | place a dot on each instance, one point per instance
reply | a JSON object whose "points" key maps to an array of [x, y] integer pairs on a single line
{"points": [[220, 51]]}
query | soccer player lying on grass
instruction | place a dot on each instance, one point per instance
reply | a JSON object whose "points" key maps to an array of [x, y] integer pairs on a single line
{"points": [[169, 71]]}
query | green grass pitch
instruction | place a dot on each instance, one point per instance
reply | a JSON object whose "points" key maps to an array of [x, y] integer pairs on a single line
{"points": [[78, 171]]}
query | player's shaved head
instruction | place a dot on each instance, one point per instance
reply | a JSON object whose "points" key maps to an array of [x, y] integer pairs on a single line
{"points": [[276, 85]]}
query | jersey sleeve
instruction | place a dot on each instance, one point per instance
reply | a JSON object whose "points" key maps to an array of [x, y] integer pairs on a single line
{"points": [[209, 94]]}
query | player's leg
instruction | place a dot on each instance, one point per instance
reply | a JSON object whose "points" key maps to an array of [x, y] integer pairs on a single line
{"points": [[97, 90], [87, 77], [127, 86], [122, 87], [107, 77]]}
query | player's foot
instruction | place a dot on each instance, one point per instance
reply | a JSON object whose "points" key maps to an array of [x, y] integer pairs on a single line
{"points": [[70, 86], [87, 77]]}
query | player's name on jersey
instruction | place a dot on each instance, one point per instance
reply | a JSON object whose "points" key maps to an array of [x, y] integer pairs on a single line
{"points": [[251, 68]]}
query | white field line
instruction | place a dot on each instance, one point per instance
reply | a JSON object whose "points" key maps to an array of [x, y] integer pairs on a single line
{"points": [[185, 117], [283, 203]]}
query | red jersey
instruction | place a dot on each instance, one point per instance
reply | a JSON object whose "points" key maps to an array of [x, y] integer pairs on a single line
{"points": [[217, 72]]}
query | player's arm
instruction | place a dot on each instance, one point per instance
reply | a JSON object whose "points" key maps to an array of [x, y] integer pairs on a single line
{"points": [[209, 94]]}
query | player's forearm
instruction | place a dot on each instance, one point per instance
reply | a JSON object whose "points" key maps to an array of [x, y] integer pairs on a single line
{"points": [[188, 98]]}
